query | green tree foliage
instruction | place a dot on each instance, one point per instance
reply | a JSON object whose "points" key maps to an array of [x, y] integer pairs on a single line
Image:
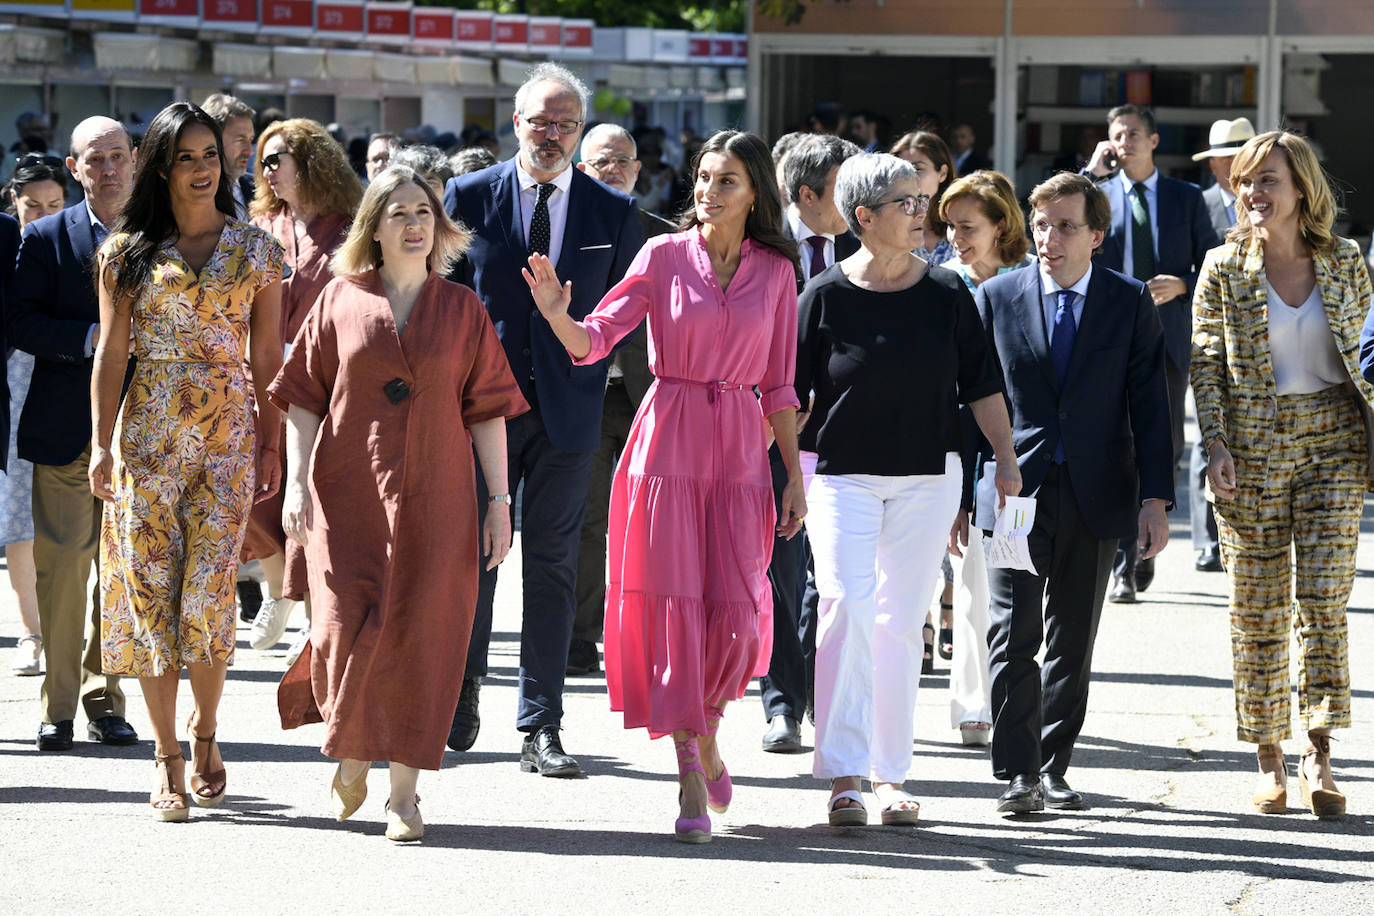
{"points": [[789, 11], [698, 15]]}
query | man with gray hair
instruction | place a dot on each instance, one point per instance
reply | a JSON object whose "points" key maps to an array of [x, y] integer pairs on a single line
{"points": [[538, 203], [808, 171], [609, 156], [235, 120]]}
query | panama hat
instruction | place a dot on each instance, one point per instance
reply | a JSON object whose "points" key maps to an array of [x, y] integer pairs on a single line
{"points": [[1226, 138]]}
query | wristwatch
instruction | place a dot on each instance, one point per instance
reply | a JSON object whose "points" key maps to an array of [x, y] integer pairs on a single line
{"points": [[499, 498]]}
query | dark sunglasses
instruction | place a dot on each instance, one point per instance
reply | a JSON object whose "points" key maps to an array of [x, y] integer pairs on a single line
{"points": [[32, 159], [273, 162]]}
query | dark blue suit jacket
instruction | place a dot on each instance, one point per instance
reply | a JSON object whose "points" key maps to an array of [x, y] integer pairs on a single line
{"points": [[9, 251], [54, 307], [1113, 411], [1185, 237], [602, 236]]}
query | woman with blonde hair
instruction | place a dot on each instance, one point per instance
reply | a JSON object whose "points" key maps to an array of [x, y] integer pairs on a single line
{"points": [[988, 233], [1282, 408], [935, 171], [306, 195], [392, 370]]}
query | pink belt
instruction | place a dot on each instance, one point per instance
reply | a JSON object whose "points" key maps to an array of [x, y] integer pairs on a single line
{"points": [[710, 387]]}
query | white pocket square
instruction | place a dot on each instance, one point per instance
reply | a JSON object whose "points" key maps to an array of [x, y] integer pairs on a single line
{"points": [[594, 247]]}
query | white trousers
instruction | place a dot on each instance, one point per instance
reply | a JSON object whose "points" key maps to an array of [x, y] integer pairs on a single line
{"points": [[877, 542], [969, 695]]}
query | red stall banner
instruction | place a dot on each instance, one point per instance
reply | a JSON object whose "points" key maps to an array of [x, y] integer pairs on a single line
{"points": [[339, 18], [169, 12], [288, 17], [511, 33], [239, 15], [432, 25], [388, 22], [577, 37], [474, 30]]}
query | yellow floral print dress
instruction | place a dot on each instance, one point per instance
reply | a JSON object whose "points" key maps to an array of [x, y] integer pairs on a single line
{"points": [[183, 459]]}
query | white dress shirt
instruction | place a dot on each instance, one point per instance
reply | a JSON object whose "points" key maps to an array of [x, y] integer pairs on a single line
{"points": [[1049, 300], [557, 204], [801, 232], [1152, 202]]}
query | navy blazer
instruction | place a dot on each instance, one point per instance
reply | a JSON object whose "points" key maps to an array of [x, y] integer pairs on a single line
{"points": [[1185, 237], [602, 236], [1113, 411], [54, 307], [9, 251]]}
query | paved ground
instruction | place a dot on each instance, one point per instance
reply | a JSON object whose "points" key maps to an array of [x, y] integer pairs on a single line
{"points": [[1169, 829]]}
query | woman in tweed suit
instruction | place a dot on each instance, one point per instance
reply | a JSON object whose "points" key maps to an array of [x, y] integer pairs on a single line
{"points": [[1282, 406]]}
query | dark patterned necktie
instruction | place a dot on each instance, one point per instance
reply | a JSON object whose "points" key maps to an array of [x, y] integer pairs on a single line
{"points": [[1061, 348], [539, 221], [1142, 239], [817, 243]]}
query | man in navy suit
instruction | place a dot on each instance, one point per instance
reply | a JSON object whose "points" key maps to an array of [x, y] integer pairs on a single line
{"points": [[538, 202], [56, 317], [1081, 354], [1159, 234], [823, 238]]}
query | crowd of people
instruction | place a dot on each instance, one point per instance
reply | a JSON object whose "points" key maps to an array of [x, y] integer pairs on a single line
{"points": [[751, 432]]}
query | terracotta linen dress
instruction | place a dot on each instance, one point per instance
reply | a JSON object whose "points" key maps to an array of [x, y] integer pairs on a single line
{"points": [[394, 550], [184, 448], [692, 523], [307, 260]]}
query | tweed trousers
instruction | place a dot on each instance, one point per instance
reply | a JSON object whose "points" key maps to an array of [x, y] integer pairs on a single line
{"points": [[1308, 510]]}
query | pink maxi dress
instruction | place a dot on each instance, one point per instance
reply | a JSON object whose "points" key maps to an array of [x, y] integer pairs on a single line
{"points": [[688, 608]]}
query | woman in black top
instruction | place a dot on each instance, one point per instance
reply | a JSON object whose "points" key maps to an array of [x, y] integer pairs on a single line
{"points": [[890, 348]]}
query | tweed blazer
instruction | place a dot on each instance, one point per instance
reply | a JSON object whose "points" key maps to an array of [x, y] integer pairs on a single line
{"points": [[1232, 373]]}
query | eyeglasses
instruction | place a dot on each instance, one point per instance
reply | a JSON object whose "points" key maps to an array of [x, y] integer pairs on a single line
{"points": [[911, 204], [272, 162], [1041, 228], [610, 162], [542, 125], [32, 159]]}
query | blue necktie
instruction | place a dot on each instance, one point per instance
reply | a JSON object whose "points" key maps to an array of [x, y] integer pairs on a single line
{"points": [[1061, 348]]}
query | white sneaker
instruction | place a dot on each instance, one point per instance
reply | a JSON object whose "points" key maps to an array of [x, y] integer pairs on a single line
{"points": [[298, 645], [28, 658], [270, 623]]}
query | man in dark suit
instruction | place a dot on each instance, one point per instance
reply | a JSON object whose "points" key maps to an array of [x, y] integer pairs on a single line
{"points": [[235, 120], [966, 158], [609, 156], [56, 317], [1224, 142], [1159, 234], [538, 202], [823, 238], [1081, 354]]}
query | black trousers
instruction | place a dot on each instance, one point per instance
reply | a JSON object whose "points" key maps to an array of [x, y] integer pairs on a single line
{"points": [[787, 684], [1128, 550], [616, 417], [550, 525], [1038, 712]]}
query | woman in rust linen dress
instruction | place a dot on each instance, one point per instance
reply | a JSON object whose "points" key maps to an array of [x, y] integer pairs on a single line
{"points": [[306, 196], [392, 369]]}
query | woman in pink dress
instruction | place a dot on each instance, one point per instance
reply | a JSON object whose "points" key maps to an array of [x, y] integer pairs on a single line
{"points": [[688, 608]]}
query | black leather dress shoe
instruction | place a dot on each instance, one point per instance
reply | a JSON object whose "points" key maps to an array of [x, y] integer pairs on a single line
{"points": [[466, 723], [1022, 797], [783, 736], [583, 658], [1123, 592], [542, 753], [55, 736], [1144, 574], [111, 730], [1208, 560], [1058, 794], [250, 599]]}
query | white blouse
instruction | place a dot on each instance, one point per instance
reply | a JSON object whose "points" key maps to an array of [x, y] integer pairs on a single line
{"points": [[1301, 346]]}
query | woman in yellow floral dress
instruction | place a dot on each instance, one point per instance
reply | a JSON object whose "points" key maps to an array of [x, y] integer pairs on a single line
{"points": [[190, 284]]}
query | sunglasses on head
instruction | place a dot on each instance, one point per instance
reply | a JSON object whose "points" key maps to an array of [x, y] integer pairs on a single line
{"points": [[32, 159], [272, 162]]}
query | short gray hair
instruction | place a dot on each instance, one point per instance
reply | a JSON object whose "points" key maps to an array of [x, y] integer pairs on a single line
{"points": [[221, 106], [427, 160], [552, 72], [866, 180], [808, 164], [605, 131]]}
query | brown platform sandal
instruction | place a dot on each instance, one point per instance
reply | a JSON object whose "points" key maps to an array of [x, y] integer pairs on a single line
{"points": [[1272, 799], [1324, 803], [168, 804], [219, 777]]}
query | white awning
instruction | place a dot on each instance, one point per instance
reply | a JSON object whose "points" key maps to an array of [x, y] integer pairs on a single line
{"points": [[436, 71], [131, 51], [655, 77], [22, 44], [623, 76], [473, 71], [350, 65], [682, 77], [298, 63], [242, 61], [394, 68], [512, 72]]}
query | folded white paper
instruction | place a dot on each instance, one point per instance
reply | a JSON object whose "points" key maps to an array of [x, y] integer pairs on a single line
{"points": [[1009, 547]]}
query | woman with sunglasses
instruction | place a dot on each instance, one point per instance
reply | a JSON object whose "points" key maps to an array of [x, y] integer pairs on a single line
{"points": [[37, 189], [190, 291], [890, 347], [306, 196]]}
